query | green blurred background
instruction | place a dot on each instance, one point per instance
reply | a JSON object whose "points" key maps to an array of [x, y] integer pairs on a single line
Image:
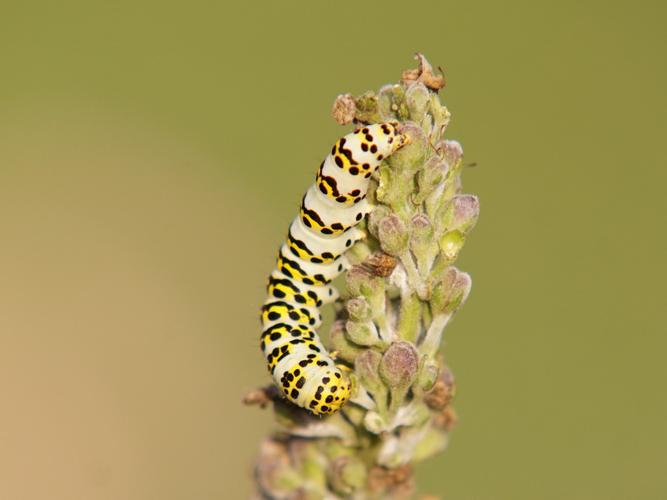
{"points": [[153, 153]]}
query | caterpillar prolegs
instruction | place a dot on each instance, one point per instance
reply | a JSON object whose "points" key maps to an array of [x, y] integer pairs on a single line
{"points": [[311, 257]]}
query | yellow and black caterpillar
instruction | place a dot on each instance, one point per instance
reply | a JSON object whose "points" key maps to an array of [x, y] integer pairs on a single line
{"points": [[311, 257]]}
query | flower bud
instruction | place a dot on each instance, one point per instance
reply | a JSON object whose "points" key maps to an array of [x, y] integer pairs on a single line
{"points": [[447, 296], [393, 235], [398, 367], [366, 366], [374, 422], [428, 374], [466, 212], [453, 152], [411, 157], [417, 99], [359, 309], [422, 231], [347, 474], [430, 178], [398, 102], [385, 103], [459, 214], [385, 191], [347, 351], [391, 104], [365, 334], [450, 245], [361, 282], [422, 243], [374, 218], [450, 292], [367, 108], [427, 125]]}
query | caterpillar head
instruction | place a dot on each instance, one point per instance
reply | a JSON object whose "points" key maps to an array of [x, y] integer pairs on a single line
{"points": [[330, 392], [378, 141], [400, 139]]}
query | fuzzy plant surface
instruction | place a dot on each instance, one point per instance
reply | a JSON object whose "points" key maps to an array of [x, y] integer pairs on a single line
{"points": [[402, 291]]}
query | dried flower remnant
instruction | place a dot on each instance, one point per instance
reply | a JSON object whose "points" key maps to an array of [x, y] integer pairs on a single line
{"points": [[402, 291], [424, 74], [344, 109]]}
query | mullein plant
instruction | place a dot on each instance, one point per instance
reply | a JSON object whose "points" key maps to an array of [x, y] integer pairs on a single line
{"points": [[403, 290]]}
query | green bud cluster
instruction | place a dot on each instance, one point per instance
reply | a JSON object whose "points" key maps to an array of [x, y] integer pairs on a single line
{"points": [[402, 293]]}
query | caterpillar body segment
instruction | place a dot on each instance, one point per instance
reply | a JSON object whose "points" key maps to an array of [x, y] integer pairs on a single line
{"points": [[306, 271], [328, 220], [317, 248], [310, 259], [282, 287], [278, 311]]}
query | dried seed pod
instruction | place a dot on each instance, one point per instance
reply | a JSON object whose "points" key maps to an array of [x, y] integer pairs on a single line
{"points": [[424, 73], [380, 264]]}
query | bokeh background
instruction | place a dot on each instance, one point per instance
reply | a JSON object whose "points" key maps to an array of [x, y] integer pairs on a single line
{"points": [[153, 153]]}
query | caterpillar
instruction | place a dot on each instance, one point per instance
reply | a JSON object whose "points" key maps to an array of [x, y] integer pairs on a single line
{"points": [[311, 257]]}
